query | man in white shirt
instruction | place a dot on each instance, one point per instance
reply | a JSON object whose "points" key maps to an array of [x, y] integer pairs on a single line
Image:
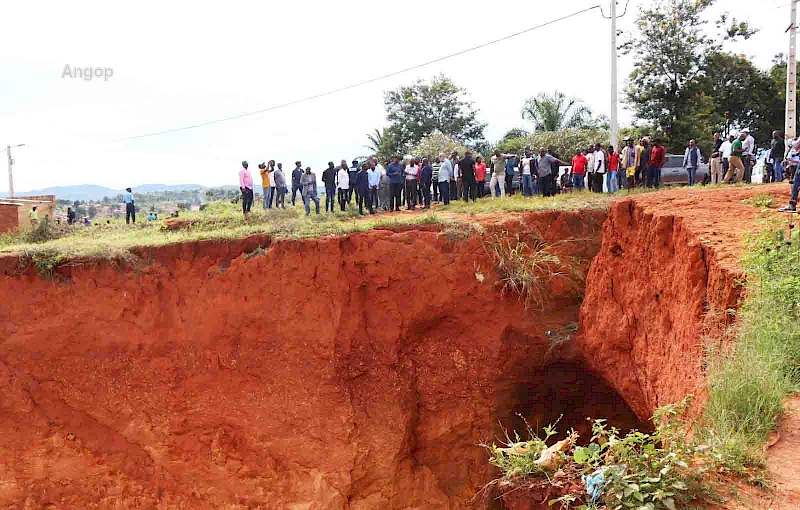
{"points": [[343, 184], [748, 156], [527, 163], [445, 176], [599, 165], [725, 149], [411, 172]]}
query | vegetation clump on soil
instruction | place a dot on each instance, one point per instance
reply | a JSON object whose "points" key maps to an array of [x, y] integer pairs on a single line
{"points": [[661, 470], [749, 381]]}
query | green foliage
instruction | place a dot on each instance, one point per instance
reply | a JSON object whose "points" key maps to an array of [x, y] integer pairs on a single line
{"points": [[527, 265], [662, 470], [670, 86], [551, 112], [435, 143], [760, 200], [565, 141], [417, 110], [383, 143], [748, 382]]}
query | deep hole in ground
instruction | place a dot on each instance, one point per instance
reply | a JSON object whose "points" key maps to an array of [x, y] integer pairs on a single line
{"points": [[362, 374], [567, 395]]}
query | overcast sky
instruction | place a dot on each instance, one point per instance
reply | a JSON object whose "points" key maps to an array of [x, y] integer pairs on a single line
{"points": [[181, 63]]}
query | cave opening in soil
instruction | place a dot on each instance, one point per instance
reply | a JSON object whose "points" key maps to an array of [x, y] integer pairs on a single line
{"points": [[568, 395]]}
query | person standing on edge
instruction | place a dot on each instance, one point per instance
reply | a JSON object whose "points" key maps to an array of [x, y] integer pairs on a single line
{"points": [[280, 187], [777, 150], [628, 162], [466, 168], [395, 174], [329, 179], [272, 193], [361, 185], [556, 171], [265, 189], [726, 150], [749, 157], [411, 172], [511, 163], [527, 166], [130, 209], [425, 180], [309, 184], [579, 163], [246, 187], [480, 175], [599, 165], [297, 176], [445, 172], [691, 161], [545, 167], [437, 164], [354, 169], [658, 156], [374, 182], [715, 162], [498, 179], [735, 163], [343, 184], [613, 168]]}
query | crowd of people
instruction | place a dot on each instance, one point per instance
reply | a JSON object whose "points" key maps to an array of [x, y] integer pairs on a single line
{"points": [[412, 182]]}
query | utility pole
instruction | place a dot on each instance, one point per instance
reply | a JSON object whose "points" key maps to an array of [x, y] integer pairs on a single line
{"points": [[614, 122], [10, 171], [791, 75]]}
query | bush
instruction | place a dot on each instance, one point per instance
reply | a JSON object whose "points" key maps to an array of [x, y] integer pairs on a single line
{"points": [[436, 143], [566, 141]]}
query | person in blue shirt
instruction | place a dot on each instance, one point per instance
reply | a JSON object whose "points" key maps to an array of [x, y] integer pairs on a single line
{"points": [[511, 163], [130, 208], [395, 174]]}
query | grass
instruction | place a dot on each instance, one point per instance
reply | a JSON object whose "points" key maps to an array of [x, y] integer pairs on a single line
{"points": [[749, 382], [223, 221], [527, 265]]}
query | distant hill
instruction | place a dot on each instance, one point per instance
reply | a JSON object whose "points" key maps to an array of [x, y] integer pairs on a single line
{"points": [[94, 192]]}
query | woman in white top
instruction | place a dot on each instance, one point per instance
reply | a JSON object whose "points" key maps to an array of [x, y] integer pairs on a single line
{"points": [[343, 184], [411, 172]]}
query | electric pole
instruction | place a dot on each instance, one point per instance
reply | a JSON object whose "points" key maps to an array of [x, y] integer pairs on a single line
{"points": [[614, 123], [791, 75], [10, 171]]}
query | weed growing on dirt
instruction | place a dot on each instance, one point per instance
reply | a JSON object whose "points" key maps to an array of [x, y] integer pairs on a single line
{"points": [[528, 264], [663, 470], [760, 200], [748, 383]]}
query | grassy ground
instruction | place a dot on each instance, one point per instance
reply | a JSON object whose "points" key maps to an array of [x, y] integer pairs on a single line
{"points": [[748, 383], [223, 220]]}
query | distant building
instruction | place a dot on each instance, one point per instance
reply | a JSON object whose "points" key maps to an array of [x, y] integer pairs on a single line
{"points": [[14, 211]]}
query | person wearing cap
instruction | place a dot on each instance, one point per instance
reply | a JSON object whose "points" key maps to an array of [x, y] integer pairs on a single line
{"points": [[354, 169], [130, 208], [246, 187], [748, 157]]}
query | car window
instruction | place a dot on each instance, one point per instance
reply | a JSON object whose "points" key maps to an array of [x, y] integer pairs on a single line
{"points": [[673, 162]]}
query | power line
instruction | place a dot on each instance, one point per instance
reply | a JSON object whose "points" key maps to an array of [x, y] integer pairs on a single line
{"points": [[359, 84]]}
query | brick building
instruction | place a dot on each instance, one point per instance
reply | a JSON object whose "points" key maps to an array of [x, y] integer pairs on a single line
{"points": [[14, 211]]}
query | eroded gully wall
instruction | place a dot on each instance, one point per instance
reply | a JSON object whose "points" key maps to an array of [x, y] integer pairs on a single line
{"points": [[655, 295], [354, 372]]}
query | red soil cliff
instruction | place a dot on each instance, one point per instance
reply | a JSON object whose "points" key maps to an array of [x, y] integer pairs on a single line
{"points": [[355, 372]]}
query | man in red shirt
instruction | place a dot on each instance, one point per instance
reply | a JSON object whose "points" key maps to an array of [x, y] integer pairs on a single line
{"points": [[579, 163], [658, 156]]}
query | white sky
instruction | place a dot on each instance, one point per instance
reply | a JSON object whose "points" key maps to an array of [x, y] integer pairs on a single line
{"points": [[179, 63]]}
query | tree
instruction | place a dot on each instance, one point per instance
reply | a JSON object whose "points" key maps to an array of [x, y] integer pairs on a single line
{"points": [[382, 143], [671, 49], [436, 143], [556, 111], [417, 110], [92, 212], [515, 133]]}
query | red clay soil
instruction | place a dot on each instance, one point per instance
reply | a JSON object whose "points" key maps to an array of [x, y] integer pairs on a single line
{"points": [[659, 288], [354, 372]]}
